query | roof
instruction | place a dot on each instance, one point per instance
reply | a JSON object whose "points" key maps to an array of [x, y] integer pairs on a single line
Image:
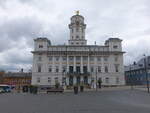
{"points": [[17, 74]]}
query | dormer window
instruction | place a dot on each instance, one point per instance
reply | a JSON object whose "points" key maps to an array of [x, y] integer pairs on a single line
{"points": [[40, 46]]}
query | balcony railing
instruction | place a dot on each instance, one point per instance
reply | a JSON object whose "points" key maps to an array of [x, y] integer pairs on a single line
{"points": [[78, 73]]}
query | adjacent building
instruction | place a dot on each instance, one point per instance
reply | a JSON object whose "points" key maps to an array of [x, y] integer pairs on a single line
{"points": [[77, 63], [17, 79], [135, 74]]}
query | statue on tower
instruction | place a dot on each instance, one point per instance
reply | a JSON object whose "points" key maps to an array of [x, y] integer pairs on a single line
{"points": [[77, 12]]}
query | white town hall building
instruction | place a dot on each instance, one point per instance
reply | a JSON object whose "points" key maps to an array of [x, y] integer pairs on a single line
{"points": [[77, 62]]}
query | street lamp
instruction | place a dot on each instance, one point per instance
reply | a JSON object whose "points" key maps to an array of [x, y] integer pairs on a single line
{"points": [[147, 79], [131, 79], [96, 79]]}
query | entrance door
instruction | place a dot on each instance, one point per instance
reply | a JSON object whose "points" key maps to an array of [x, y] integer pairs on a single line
{"points": [[86, 80], [70, 80]]}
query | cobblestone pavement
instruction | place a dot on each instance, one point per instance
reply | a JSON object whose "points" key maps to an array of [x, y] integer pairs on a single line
{"points": [[118, 101]]}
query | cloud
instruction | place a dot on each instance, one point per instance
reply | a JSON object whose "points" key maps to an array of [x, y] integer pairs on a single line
{"points": [[23, 20]]}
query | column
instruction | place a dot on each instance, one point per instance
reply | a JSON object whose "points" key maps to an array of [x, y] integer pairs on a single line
{"points": [[53, 64], [88, 63], [89, 80], [74, 64], [81, 79], [67, 80], [81, 64], [67, 63], [74, 80], [60, 66]]}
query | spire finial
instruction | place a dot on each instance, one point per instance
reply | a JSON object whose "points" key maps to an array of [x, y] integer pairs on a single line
{"points": [[77, 12]]}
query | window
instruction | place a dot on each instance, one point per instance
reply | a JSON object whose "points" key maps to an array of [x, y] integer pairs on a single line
{"points": [[49, 80], [40, 46], [39, 58], [64, 58], [77, 29], [71, 58], [116, 58], [107, 80], [82, 37], [106, 69], [72, 30], [56, 80], [92, 69], [105, 58], [50, 58], [50, 69], [98, 58], [85, 70], [78, 69], [85, 58], [57, 58], [116, 68], [38, 80], [117, 80], [39, 68], [64, 69], [57, 69], [78, 58], [115, 46], [77, 36], [99, 69], [91, 58], [77, 43], [70, 69]]}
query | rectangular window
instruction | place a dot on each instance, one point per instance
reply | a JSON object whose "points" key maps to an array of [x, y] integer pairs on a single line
{"points": [[50, 58], [64, 58], [105, 59], [38, 80], [116, 68], [57, 69], [39, 68], [78, 58], [99, 69], [92, 69], [116, 58], [85, 69], [78, 69], [85, 58], [64, 69], [98, 58], [50, 69], [70, 58], [49, 80], [70, 69], [106, 69], [117, 80], [57, 58], [91, 58], [107, 80], [39, 58], [40, 46]]}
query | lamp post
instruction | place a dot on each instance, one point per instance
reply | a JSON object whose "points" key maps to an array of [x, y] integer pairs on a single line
{"points": [[147, 78], [131, 79], [96, 79]]}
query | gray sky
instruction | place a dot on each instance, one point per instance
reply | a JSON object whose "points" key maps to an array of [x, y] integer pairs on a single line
{"points": [[23, 20]]}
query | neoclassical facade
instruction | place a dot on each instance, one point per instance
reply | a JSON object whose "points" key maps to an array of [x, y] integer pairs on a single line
{"points": [[77, 62]]}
